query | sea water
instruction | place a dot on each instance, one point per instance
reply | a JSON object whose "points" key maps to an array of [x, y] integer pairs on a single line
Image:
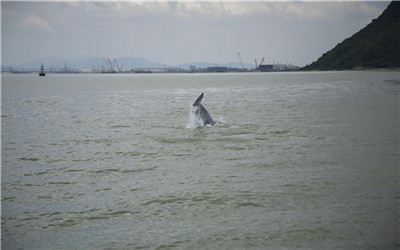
{"points": [[301, 160]]}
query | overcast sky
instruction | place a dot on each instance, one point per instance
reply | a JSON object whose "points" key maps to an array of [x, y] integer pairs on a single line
{"points": [[179, 32]]}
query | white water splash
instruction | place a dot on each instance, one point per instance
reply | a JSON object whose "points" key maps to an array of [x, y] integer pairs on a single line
{"points": [[194, 119]]}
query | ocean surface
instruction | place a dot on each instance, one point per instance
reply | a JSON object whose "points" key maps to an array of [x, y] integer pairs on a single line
{"points": [[300, 160]]}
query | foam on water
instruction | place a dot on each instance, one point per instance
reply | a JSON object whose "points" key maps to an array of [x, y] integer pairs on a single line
{"points": [[194, 120]]}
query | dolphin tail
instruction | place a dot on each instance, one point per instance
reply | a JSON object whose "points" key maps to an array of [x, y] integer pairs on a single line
{"points": [[197, 102]]}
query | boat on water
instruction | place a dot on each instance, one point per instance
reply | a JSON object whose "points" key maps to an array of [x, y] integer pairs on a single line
{"points": [[42, 73]]}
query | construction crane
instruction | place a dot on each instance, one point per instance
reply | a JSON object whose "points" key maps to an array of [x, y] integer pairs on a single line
{"points": [[109, 68], [118, 65], [241, 63], [258, 65], [111, 65], [262, 60]]}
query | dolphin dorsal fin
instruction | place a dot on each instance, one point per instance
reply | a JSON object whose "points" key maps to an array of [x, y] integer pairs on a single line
{"points": [[197, 102]]}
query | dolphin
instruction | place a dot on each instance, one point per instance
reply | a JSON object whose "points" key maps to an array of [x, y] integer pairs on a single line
{"points": [[201, 112]]}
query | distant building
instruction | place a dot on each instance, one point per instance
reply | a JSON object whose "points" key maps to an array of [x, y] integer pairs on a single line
{"points": [[277, 67], [266, 67], [217, 69]]}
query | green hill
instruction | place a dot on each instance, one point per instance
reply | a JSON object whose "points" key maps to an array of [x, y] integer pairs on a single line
{"points": [[375, 46]]}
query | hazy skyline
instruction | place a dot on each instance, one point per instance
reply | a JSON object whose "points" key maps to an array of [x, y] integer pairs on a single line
{"points": [[180, 32]]}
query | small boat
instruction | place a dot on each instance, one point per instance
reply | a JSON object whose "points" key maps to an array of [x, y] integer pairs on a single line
{"points": [[42, 73]]}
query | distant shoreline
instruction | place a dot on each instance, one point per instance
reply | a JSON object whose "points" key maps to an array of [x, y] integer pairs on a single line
{"points": [[202, 72]]}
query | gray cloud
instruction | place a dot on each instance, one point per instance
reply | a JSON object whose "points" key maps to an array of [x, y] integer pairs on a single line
{"points": [[178, 32]]}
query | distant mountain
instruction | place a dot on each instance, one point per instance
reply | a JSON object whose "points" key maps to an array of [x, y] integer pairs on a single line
{"points": [[96, 64], [375, 46], [91, 63], [81, 63], [129, 63]]}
